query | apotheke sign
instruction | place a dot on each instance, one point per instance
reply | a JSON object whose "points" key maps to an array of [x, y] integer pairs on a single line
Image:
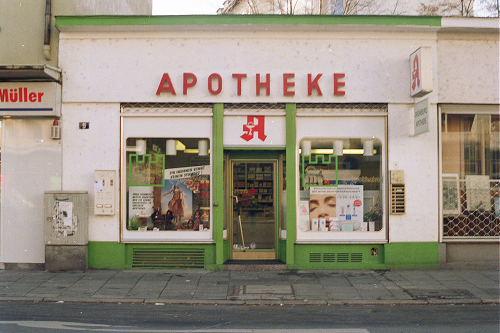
{"points": [[261, 84], [30, 99]]}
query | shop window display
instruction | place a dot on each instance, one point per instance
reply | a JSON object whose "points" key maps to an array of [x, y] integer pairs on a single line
{"points": [[341, 185], [471, 175], [168, 184]]}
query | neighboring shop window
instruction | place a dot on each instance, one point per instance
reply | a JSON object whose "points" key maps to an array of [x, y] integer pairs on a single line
{"points": [[471, 174], [341, 185], [168, 184]]}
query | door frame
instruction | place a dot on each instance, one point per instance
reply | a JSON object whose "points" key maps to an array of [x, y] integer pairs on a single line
{"points": [[255, 156]]}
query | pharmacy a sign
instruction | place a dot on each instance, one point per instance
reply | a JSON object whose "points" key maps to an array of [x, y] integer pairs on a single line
{"points": [[421, 113]]}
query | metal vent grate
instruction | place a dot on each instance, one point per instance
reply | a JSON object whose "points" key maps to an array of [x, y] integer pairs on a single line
{"points": [[314, 257], [398, 206], [356, 257], [328, 257], [343, 257], [335, 257], [162, 258]]}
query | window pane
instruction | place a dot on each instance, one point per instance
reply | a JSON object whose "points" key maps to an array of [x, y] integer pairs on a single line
{"points": [[471, 145], [470, 171], [168, 184], [341, 184]]}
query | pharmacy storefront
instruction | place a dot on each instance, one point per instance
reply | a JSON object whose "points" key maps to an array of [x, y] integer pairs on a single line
{"points": [[313, 142]]}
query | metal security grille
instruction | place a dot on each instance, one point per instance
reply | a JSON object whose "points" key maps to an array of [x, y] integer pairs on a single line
{"points": [[181, 109], [398, 206], [327, 109], [471, 207], [268, 109], [161, 258]]}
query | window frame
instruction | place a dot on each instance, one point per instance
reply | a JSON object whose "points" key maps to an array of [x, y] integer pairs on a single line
{"points": [[140, 126], [365, 127]]}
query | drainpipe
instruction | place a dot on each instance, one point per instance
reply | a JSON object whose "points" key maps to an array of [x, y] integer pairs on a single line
{"points": [[46, 43]]}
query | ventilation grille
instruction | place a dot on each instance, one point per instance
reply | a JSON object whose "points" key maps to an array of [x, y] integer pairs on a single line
{"points": [[343, 257], [315, 257], [162, 258], [398, 206]]}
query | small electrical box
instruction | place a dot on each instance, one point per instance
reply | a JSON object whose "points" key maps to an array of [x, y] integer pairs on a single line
{"points": [[104, 192]]}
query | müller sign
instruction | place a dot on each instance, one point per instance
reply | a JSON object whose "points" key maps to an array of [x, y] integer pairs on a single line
{"points": [[30, 99], [262, 83]]}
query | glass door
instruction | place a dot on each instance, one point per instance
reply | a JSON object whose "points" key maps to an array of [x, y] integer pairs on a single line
{"points": [[254, 214]]}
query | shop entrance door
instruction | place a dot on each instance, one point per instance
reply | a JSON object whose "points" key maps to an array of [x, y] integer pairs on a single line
{"points": [[254, 209]]}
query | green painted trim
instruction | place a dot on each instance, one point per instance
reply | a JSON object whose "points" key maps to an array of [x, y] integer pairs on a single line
{"points": [[113, 255], [106, 255], [318, 259], [227, 249], [282, 250], [412, 255], [218, 182], [200, 20], [210, 254], [409, 255], [291, 183]]}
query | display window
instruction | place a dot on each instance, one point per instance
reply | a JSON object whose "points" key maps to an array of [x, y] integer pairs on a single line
{"points": [[341, 184], [167, 186], [470, 174]]}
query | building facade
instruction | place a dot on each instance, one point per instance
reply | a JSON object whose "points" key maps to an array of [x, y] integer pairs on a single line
{"points": [[323, 142]]}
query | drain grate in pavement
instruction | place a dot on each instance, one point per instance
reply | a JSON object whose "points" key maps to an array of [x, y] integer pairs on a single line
{"points": [[424, 294]]}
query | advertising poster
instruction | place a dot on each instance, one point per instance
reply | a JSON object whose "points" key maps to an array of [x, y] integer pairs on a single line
{"points": [[184, 197], [140, 201], [186, 191], [336, 208]]}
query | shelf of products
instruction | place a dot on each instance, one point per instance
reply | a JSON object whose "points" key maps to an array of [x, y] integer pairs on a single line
{"points": [[253, 184]]}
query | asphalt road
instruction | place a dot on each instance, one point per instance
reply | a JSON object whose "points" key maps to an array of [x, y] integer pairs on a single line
{"points": [[21, 317]]}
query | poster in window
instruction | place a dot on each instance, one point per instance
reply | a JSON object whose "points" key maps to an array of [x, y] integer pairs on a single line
{"points": [[187, 195], [340, 207], [478, 192]]}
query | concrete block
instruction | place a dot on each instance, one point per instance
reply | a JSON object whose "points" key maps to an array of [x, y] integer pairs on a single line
{"points": [[66, 258]]}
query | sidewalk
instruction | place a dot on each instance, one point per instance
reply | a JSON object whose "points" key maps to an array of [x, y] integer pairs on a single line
{"points": [[254, 287]]}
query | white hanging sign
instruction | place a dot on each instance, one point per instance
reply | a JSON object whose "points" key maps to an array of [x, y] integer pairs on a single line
{"points": [[421, 72], [421, 113]]}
